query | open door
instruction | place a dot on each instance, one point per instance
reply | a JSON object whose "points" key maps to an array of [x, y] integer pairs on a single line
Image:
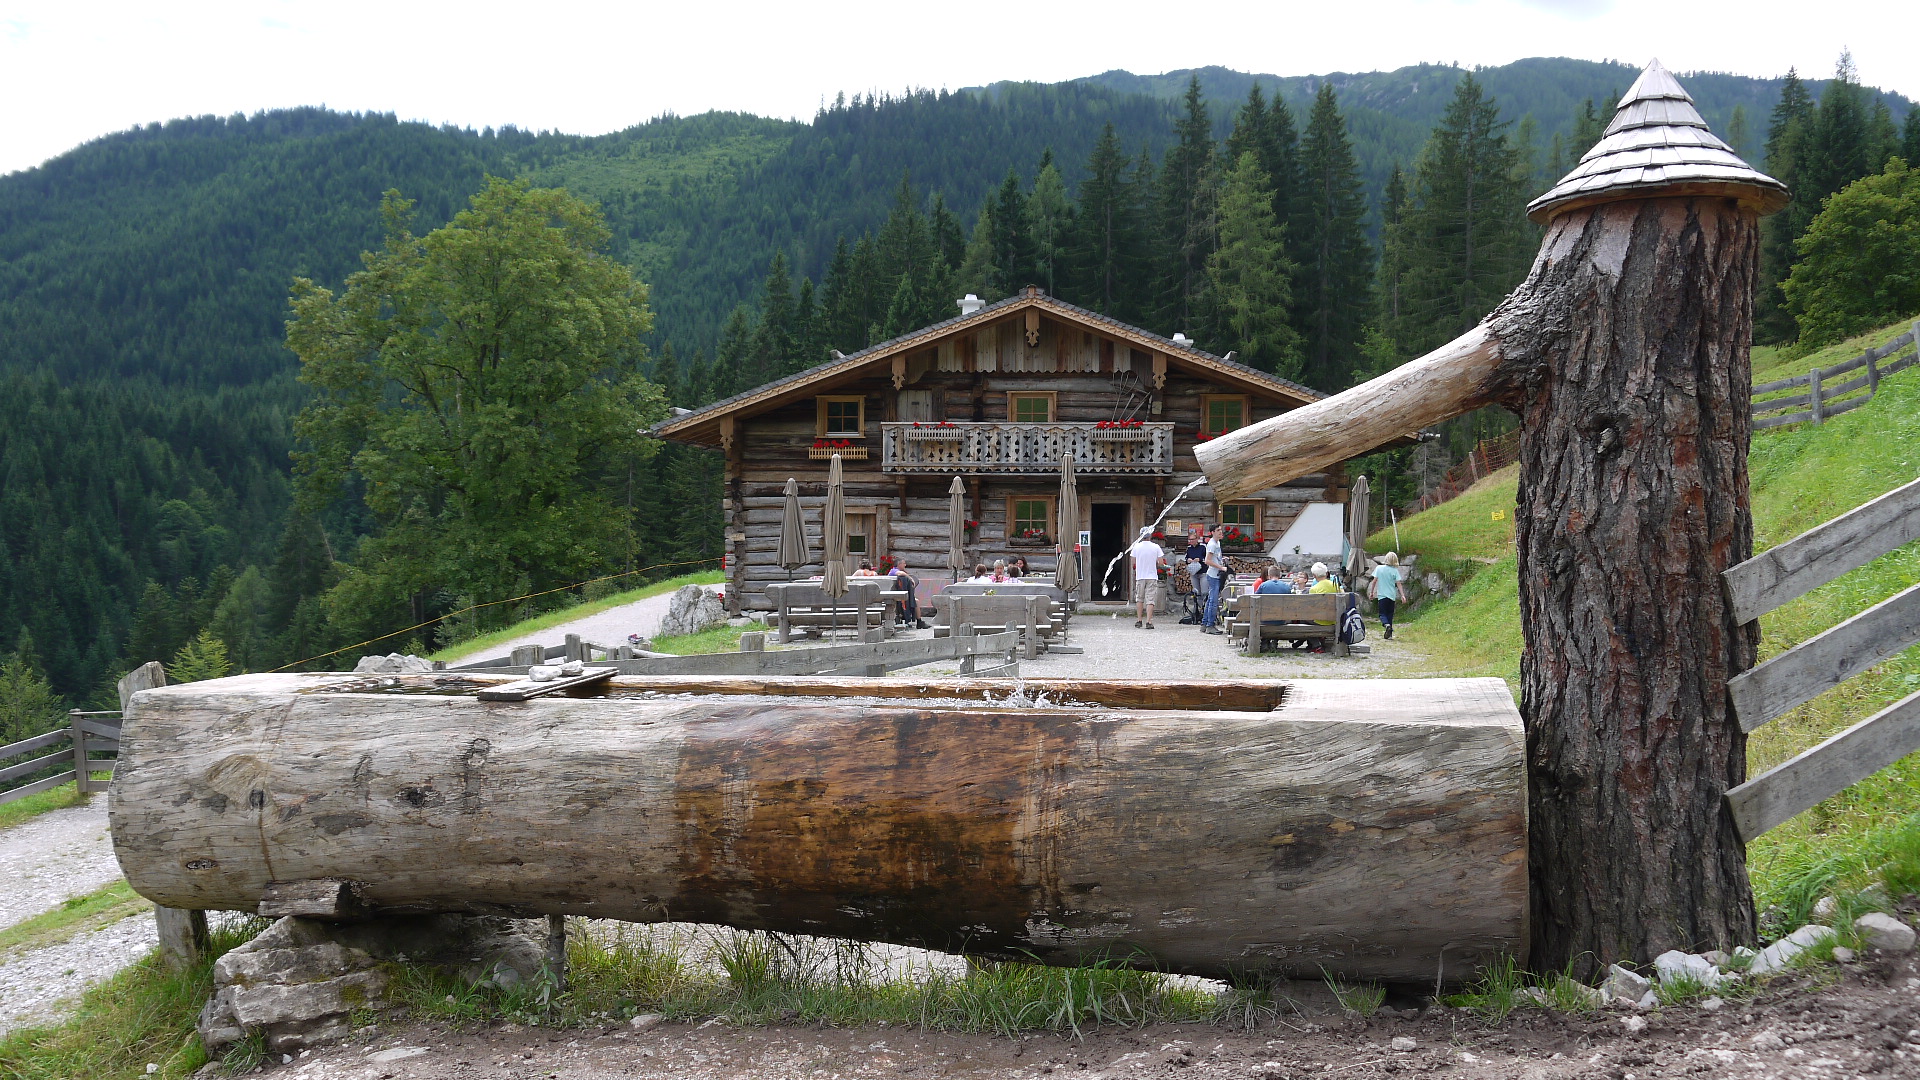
{"points": [[1109, 539]]}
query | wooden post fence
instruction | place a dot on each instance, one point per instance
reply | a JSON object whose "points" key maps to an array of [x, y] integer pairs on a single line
{"points": [[1822, 399], [1824, 661]]}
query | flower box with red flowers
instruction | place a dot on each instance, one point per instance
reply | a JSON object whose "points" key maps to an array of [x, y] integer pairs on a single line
{"points": [[1122, 431], [1238, 539], [1031, 538], [848, 450], [933, 431]]}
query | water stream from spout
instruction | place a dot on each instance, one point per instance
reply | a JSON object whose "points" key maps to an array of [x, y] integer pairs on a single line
{"points": [[1106, 579]]}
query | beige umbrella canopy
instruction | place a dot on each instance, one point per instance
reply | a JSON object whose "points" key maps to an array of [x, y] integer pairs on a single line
{"points": [[1359, 502], [1067, 576], [793, 553], [957, 526], [833, 533]]}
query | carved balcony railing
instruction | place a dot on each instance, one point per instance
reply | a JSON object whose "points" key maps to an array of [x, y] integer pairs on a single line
{"points": [[1034, 449]]}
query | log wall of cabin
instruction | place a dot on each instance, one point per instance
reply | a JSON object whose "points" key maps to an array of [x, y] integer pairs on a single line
{"points": [[1094, 378]]}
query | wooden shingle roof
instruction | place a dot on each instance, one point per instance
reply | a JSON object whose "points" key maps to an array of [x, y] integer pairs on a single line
{"points": [[702, 425], [1657, 143]]}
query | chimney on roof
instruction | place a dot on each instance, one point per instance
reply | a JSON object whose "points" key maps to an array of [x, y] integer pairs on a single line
{"points": [[970, 304], [1182, 339]]}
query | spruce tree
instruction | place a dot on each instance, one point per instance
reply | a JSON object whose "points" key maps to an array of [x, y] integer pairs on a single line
{"points": [[1840, 148], [1050, 216], [1463, 236], [1910, 138], [840, 328], [1010, 239], [1104, 253], [866, 303], [1789, 134], [1333, 294], [731, 362], [1393, 255], [1738, 132], [948, 237], [1186, 216], [807, 347], [772, 354], [1249, 275]]}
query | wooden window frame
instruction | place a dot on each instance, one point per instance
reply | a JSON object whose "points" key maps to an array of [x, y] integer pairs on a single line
{"points": [[1052, 521], [878, 533], [1052, 398], [1260, 514], [820, 416], [1206, 412]]}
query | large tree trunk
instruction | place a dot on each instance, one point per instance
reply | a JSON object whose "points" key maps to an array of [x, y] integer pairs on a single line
{"points": [[1376, 830], [1628, 349]]}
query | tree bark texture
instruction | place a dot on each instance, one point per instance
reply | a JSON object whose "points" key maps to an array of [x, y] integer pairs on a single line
{"points": [[1627, 359], [1373, 829]]}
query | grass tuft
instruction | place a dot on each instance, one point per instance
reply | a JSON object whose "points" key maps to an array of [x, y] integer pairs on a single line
{"points": [[143, 1014], [77, 915], [749, 977]]}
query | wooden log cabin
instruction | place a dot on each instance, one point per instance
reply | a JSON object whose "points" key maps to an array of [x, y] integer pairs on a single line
{"points": [[995, 396]]}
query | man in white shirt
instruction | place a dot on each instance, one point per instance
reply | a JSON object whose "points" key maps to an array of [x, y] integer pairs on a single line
{"points": [[1149, 559]]}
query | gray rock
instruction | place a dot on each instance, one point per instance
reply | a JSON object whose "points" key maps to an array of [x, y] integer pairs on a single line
{"points": [[1766, 1040], [1843, 955], [644, 1021], [1780, 953], [300, 980], [1884, 932], [1403, 1043], [1621, 983], [391, 664], [1674, 965], [1713, 1004], [1634, 1025], [692, 609], [398, 1053], [1825, 908]]}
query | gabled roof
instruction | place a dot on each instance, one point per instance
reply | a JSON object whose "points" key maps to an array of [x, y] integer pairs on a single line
{"points": [[1655, 143], [702, 425]]}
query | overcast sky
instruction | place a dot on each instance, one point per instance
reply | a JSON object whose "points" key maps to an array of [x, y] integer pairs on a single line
{"points": [[71, 70]]}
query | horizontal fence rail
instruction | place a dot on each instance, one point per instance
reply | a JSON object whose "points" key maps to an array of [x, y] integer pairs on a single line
{"points": [[1822, 399], [1827, 659], [70, 761]]}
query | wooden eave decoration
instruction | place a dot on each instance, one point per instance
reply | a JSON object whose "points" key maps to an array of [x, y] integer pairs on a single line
{"points": [[1658, 144], [703, 426]]}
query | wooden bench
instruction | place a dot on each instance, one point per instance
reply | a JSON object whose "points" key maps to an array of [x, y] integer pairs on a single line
{"points": [[805, 605], [1263, 617], [1027, 614], [1058, 613]]}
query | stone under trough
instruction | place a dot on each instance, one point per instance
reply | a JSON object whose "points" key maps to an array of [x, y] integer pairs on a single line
{"points": [[1370, 829]]}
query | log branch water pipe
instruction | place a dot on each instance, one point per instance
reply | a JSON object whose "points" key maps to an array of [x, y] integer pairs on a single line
{"points": [[1625, 354]]}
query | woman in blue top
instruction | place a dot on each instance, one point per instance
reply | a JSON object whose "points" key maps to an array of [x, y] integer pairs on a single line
{"points": [[1386, 589]]}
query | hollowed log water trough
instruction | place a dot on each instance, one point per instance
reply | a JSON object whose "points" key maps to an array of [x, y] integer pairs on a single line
{"points": [[1365, 828]]}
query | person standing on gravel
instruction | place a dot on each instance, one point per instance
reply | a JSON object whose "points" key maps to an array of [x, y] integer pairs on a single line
{"points": [[1216, 579], [1149, 559], [1386, 589]]}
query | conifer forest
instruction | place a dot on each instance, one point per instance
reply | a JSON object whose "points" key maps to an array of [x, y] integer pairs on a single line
{"points": [[180, 486]]}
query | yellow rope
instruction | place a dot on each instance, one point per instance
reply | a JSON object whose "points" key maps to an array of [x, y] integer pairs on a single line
{"points": [[492, 603]]}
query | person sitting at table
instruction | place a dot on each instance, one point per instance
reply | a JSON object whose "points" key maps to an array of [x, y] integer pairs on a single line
{"points": [[1274, 580], [866, 570], [909, 611], [1000, 572], [1017, 568], [980, 575]]}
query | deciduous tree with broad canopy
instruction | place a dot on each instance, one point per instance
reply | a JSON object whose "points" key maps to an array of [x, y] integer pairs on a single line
{"points": [[480, 389]]}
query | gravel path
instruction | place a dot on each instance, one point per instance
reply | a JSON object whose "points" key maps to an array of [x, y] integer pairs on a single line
{"points": [[61, 853], [32, 984], [610, 627]]}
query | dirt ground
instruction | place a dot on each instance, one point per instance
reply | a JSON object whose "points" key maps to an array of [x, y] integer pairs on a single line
{"points": [[1857, 1020]]}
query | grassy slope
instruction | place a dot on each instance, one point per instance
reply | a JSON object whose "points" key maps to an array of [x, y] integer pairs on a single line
{"points": [[1801, 477], [485, 642]]}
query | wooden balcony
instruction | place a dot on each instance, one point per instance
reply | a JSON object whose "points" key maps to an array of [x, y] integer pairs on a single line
{"points": [[1026, 449]]}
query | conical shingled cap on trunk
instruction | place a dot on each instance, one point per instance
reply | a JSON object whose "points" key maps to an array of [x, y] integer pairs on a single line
{"points": [[1657, 145]]}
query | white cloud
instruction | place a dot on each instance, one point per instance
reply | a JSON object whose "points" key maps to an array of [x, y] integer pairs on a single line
{"points": [[74, 70]]}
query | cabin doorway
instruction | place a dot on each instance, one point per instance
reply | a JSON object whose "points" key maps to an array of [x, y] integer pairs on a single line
{"points": [[1109, 539]]}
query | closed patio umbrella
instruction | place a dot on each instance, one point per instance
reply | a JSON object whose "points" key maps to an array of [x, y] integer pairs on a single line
{"points": [[1066, 577], [957, 527], [833, 533], [793, 553], [1357, 510]]}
